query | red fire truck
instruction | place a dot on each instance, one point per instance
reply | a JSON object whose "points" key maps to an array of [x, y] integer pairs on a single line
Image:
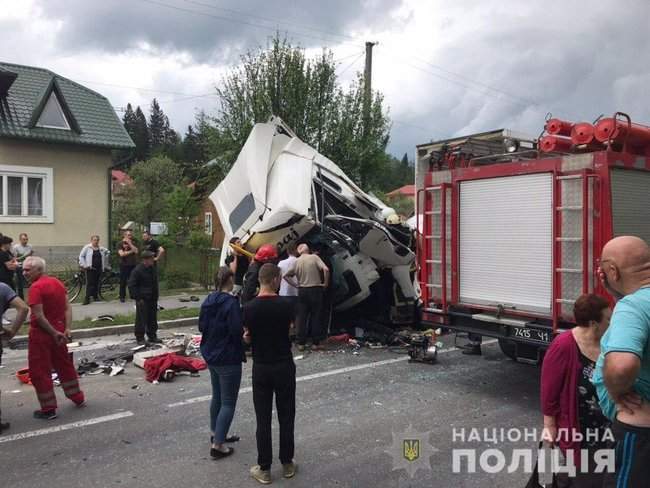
{"points": [[511, 228]]}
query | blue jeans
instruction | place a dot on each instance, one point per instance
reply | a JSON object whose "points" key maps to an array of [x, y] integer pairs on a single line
{"points": [[225, 388]]}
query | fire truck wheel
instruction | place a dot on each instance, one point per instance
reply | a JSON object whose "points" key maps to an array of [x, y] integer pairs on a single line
{"points": [[509, 348]]}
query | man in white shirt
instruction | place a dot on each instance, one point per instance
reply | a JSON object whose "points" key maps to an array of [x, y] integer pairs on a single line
{"points": [[286, 288]]}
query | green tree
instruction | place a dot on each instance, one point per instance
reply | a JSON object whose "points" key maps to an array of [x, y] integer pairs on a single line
{"points": [[146, 200], [304, 92], [181, 210], [141, 136]]}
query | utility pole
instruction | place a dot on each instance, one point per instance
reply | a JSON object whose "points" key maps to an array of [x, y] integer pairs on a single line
{"points": [[367, 103], [367, 74]]}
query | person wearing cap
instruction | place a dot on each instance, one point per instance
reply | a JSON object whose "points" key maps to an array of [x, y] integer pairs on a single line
{"points": [[143, 287], [266, 253]]}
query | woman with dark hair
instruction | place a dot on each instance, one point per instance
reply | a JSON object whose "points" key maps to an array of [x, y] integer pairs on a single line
{"points": [[220, 322], [569, 400]]}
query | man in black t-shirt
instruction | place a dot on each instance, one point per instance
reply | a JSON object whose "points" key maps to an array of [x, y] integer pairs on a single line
{"points": [[152, 245], [8, 263], [267, 319]]}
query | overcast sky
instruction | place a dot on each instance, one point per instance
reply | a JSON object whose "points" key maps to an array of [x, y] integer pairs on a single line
{"points": [[445, 67]]}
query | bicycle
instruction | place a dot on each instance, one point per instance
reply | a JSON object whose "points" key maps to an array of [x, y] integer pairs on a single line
{"points": [[109, 281]]}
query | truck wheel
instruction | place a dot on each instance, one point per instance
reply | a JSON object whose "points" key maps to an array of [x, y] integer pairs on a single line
{"points": [[509, 348]]}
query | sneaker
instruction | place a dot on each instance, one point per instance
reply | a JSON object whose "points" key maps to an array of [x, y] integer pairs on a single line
{"points": [[141, 342], [261, 475], [289, 469], [4, 426], [155, 340], [122, 300], [45, 415]]}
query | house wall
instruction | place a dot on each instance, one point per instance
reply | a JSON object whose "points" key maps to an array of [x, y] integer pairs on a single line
{"points": [[217, 229], [81, 194]]}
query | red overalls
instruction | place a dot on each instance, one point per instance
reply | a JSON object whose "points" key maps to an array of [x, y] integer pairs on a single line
{"points": [[44, 355]]}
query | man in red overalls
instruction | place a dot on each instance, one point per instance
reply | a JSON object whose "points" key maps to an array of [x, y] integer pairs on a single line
{"points": [[51, 316]]}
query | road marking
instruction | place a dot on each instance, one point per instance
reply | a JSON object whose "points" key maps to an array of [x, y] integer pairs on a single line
{"points": [[60, 428], [322, 374]]}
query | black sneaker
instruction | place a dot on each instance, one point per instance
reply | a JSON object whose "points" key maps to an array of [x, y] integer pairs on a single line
{"points": [[4, 426], [122, 300], [47, 415], [155, 340], [141, 342]]}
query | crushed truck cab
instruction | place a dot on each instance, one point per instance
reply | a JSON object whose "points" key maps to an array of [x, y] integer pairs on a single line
{"points": [[280, 190]]}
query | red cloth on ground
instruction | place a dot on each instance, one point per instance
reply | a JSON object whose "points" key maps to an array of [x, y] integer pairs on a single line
{"points": [[155, 367]]}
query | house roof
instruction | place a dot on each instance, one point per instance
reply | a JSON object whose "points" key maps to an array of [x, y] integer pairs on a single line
{"points": [[92, 120], [120, 177], [406, 190]]}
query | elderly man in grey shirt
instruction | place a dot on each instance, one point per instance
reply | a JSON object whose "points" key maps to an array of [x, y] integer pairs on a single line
{"points": [[22, 250], [311, 276]]}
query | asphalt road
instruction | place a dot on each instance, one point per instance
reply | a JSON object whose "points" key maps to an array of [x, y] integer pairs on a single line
{"points": [[348, 408]]}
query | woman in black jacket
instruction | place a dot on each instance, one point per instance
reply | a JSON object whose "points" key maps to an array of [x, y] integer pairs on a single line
{"points": [[220, 322]]}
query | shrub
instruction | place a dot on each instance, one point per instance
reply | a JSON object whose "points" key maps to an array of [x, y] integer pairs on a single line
{"points": [[176, 278]]}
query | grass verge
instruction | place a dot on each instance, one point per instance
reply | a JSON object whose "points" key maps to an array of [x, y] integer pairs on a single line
{"points": [[171, 314]]}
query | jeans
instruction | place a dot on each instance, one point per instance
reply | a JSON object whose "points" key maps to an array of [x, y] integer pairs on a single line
{"points": [[278, 378], [309, 316], [225, 388]]}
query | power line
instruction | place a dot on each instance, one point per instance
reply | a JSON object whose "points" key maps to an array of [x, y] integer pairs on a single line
{"points": [[351, 64], [273, 20], [153, 90], [468, 86], [232, 19], [479, 83]]}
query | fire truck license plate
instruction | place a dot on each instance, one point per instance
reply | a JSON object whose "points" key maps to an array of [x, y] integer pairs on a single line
{"points": [[530, 334]]}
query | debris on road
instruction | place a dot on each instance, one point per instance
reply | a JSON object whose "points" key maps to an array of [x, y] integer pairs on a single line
{"points": [[103, 318], [164, 367]]}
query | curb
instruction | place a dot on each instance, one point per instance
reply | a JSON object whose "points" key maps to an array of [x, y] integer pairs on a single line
{"points": [[114, 330]]}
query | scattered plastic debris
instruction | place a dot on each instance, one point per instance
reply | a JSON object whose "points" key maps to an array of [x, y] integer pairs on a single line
{"points": [[103, 318]]}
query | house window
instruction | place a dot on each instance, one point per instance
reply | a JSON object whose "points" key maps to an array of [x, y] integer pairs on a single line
{"points": [[208, 223], [26, 194], [52, 116]]}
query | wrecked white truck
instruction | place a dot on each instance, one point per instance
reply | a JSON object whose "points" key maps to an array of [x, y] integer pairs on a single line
{"points": [[280, 190]]}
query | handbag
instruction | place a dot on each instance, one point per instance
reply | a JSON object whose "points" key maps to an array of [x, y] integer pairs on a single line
{"points": [[533, 482]]}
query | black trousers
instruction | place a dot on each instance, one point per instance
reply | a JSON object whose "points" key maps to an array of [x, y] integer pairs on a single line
{"points": [[125, 273], [20, 283], [278, 378], [92, 283], [146, 318], [309, 316]]}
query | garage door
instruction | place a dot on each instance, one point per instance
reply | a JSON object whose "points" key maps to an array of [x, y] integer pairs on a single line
{"points": [[506, 242], [630, 210]]}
